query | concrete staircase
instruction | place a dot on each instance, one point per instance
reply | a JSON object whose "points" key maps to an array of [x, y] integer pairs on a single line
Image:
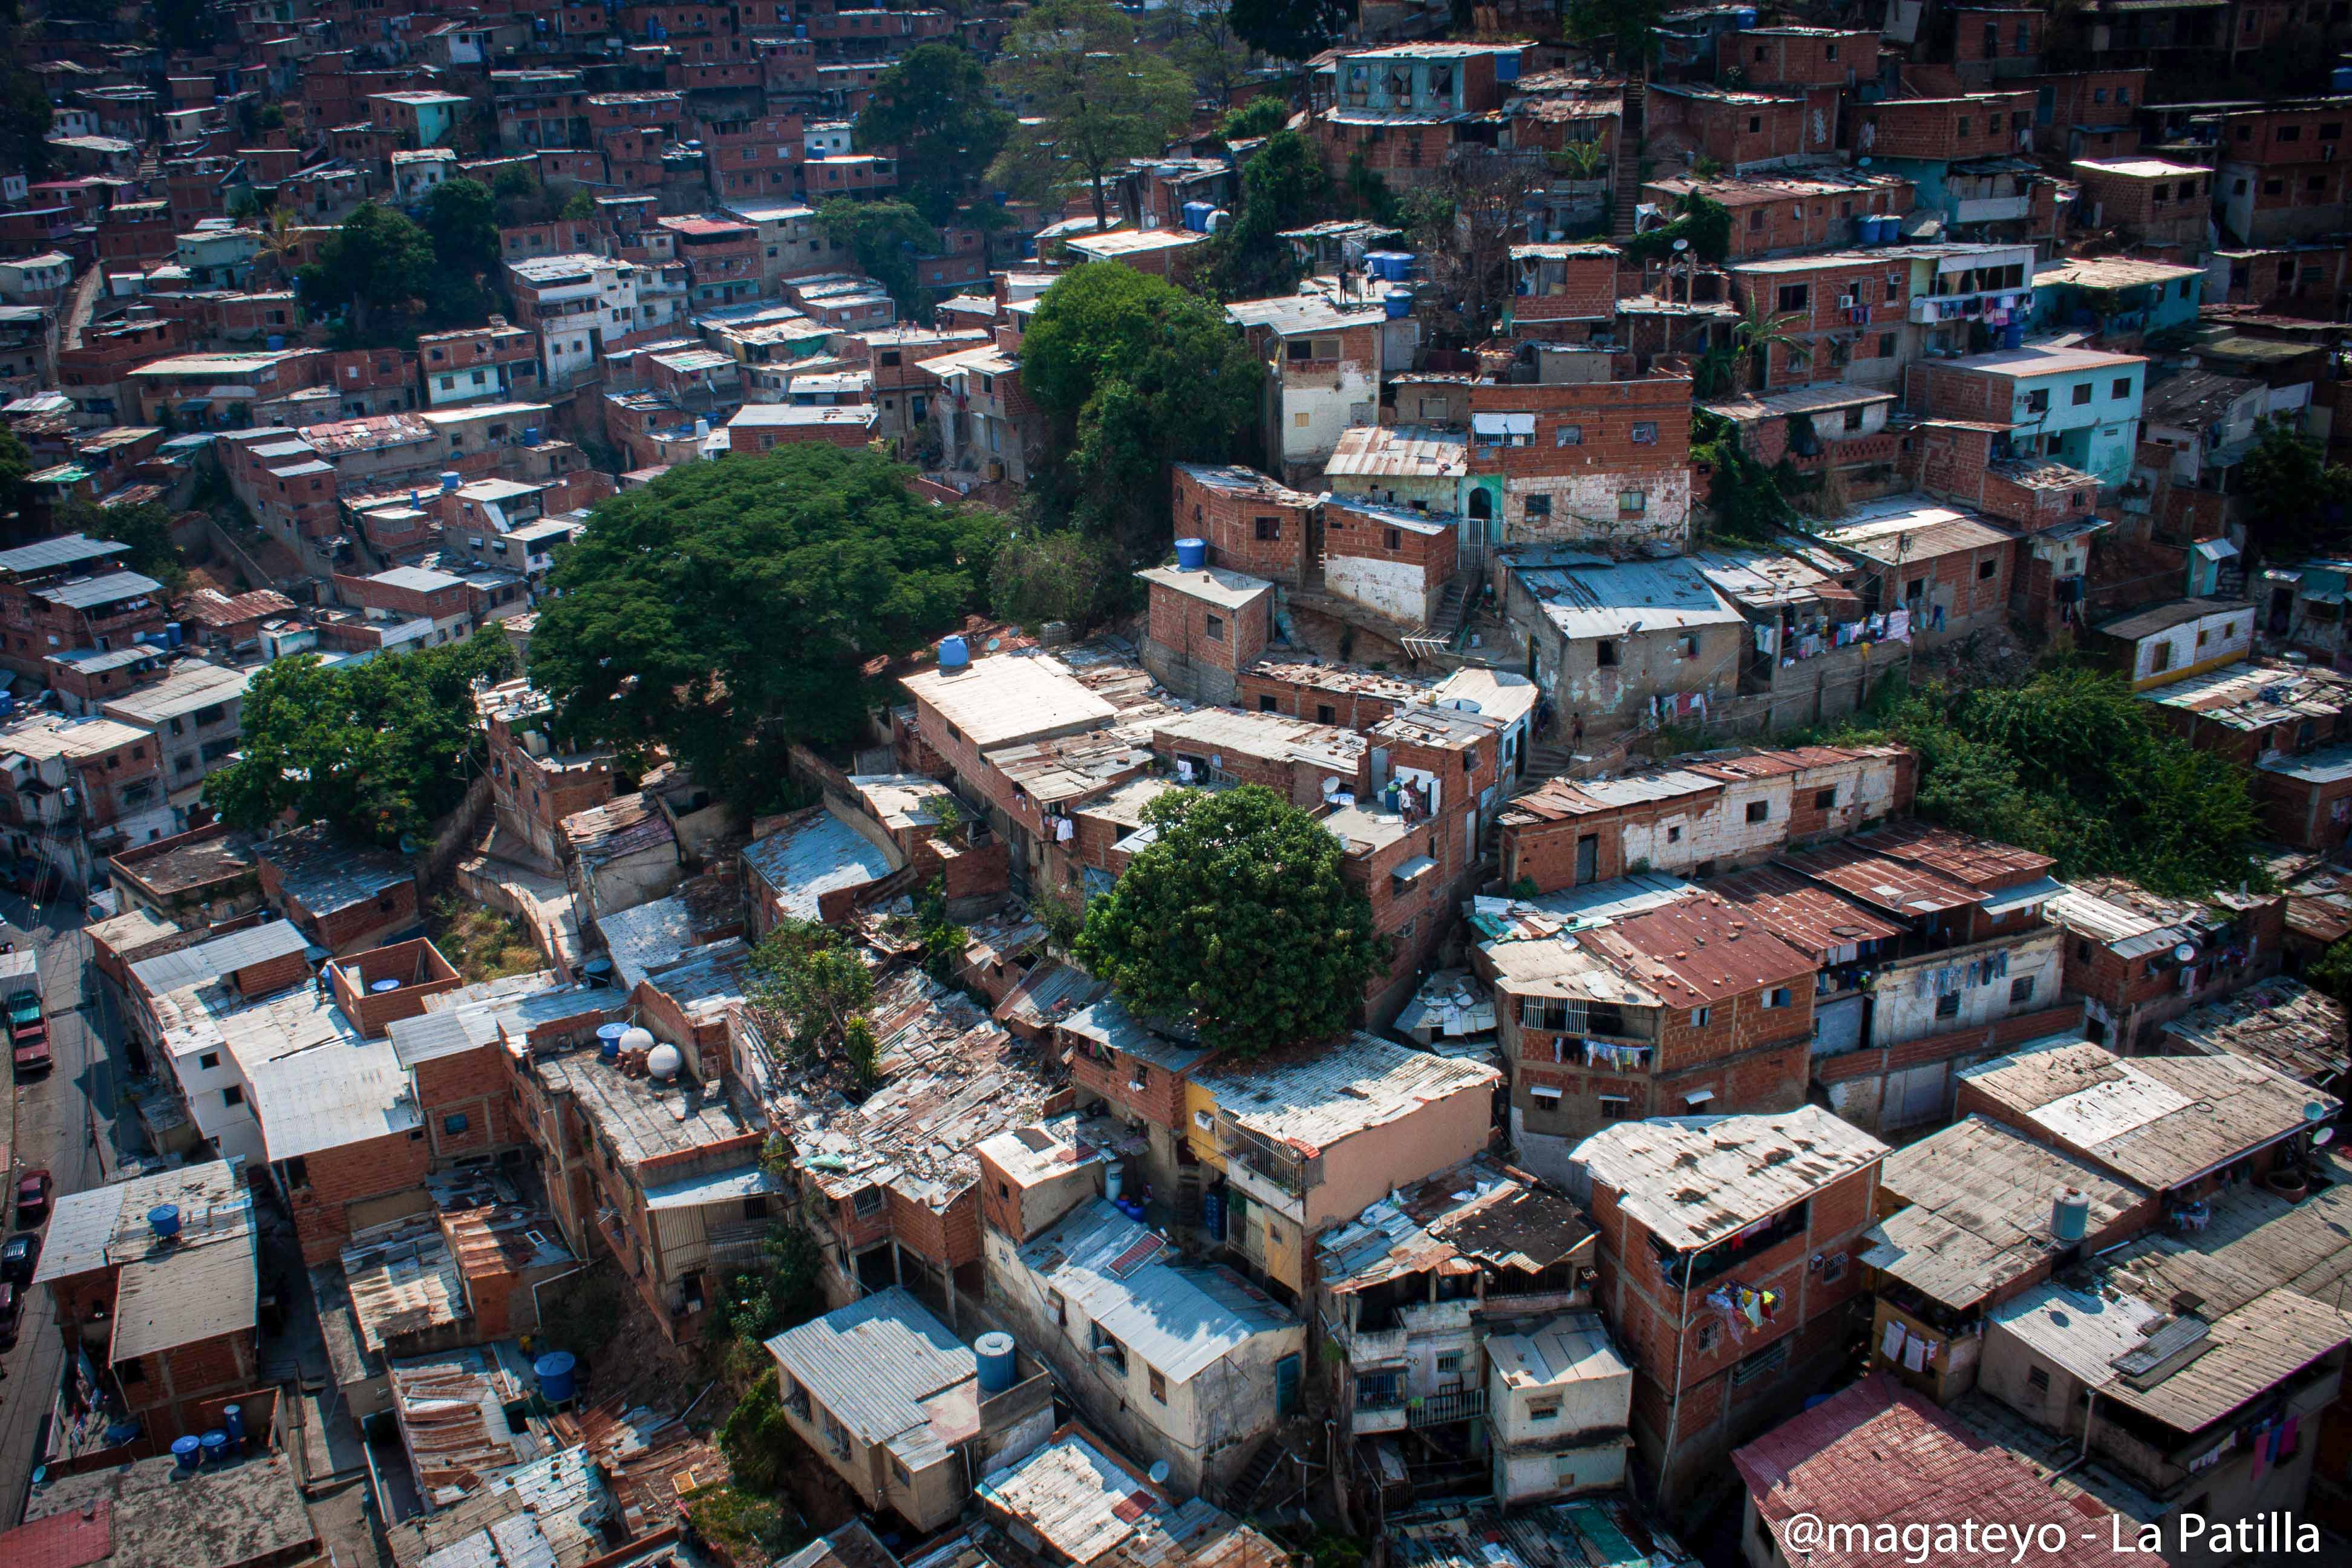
{"points": [[1629, 161]]}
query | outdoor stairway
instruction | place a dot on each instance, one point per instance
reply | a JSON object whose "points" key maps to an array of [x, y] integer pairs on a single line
{"points": [[1253, 1476], [1546, 762], [1444, 628], [1629, 161]]}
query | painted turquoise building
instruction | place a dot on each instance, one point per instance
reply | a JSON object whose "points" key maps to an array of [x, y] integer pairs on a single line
{"points": [[2115, 297], [2074, 406]]}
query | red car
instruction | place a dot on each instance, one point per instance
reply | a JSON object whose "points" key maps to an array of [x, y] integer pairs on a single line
{"points": [[32, 1198], [30, 1049]]}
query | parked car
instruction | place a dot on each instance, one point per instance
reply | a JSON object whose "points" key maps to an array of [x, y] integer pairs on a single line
{"points": [[33, 1198], [12, 1313], [17, 1256]]}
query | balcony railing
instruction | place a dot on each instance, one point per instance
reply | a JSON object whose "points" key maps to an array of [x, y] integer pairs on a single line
{"points": [[1437, 1409]]}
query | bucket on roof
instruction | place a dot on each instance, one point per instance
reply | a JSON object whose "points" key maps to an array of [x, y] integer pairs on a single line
{"points": [[164, 1219], [215, 1446], [608, 1040], [187, 1451]]}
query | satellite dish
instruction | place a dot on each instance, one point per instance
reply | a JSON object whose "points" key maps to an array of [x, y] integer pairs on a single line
{"points": [[2314, 1111], [2322, 1136], [2184, 952], [1682, 245], [1159, 1472]]}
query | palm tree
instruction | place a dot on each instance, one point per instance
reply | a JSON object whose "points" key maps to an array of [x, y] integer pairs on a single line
{"points": [[1581, 159], [1752, 342]]}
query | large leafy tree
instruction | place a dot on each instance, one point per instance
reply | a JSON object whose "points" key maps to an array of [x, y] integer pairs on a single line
{"points": [[1136, 373], [1283, 186], [2295, 498], [886, 237], [379, 749], [1292, 29], [935, 108], [380, 268], [1099, 98], [1238, 919], [734, 601]]}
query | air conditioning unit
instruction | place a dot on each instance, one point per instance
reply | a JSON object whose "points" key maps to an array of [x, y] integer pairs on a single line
{"points": [[1846, 301]]}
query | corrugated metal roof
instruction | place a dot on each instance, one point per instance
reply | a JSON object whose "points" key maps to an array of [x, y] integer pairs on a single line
{"points": [[1589, 597], [1311, 1102], [2282, 1022], [87, 592], [1078, 1499], [1008, 698], [222, 955], [66, 550], [331, 1096], [710, 1187], [1181, 1319], [1694, 1180], [817, 855], [1399, 451], [873, 1364]]}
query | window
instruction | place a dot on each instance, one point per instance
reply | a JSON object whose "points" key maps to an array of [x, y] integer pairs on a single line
{"points": [[867, 1202], [1700, 1016], [1107, 1347], [1833, 1267], [1614, 1108], [1269, 528], [1061, 1308], [2021, 989], [1568, 436], [1795, 296], [2082, 396], [1214, 627], [1266, 705], [2122, 387], [1759, 811], [1710, 1334], [2040, 1378], [1632, 502], [1756, 221], [232, 1095], [1690, 645], [1948, 1004], [1543, 1409], [1779, 997], [1159, 1384], [209, 1060], [1538, 509], [1763, 1363], [2290, 133], [1326, 714], [1755, 123], [1988, 570], [2038, 401], [1604, 655], [1450, 1362]]}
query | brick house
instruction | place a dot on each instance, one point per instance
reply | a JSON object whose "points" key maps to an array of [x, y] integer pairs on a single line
{"points": [[1732, 1303], [1350, 697], [2149, 200], [533, 787], [171, 1321], [71, 591], [1205, 628], [1707, 812], [1942, 568], [1602, 462], [1679, 1010], [1775, 212], [345, 897], [1252, 522], [2125, 947], [1745, 130], [2280, 175]]}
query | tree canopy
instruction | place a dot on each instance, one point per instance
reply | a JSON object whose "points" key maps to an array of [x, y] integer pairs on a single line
{"points": [[887, 235], [2295, 497], [1136, 373], [1239, 919], [734, 602], [146, 528], [378, 748], [812, 984], [934, 107], [2070, 763], [1283, 186], [1076, 65], [381, 267], [1292, 29], [1261, 116]]}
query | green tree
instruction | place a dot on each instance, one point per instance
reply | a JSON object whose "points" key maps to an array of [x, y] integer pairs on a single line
{"points": [[578, 208], [1630, 26], [1261, 116], [146, 528], [1283, 186], [2295, 498], [811, 980], [1292, 29], [1043, 575], [1100, 99], [379, 749], [1136, 373], [730, 599], [461, 216], [2070, 763], [1239, 919], [887, 235], [934, 109], [2331, 971], [380, 268], [16, 463], [25, 116], [1701, 219], [1206, 46]]}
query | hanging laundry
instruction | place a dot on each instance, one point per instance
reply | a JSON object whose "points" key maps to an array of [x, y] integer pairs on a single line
{"points": [[1898, 625], [1890, 1344]]}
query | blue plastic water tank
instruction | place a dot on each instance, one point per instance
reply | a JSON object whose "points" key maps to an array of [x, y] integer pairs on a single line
{"points": [[232, 1422], [187, 1451], [1196, 215], [1213, 1212], [172, 634], [954, 653], [608, 1040], [2343, 78], [2012, 336], [1192, 554], [164, 1219], [1745, 17], [1399, 302], [556, 1370], [276, 343], [998, 1367], [216, 1445]]}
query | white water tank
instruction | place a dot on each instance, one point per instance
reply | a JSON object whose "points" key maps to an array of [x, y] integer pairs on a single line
{"points": [[663, 1062]]}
